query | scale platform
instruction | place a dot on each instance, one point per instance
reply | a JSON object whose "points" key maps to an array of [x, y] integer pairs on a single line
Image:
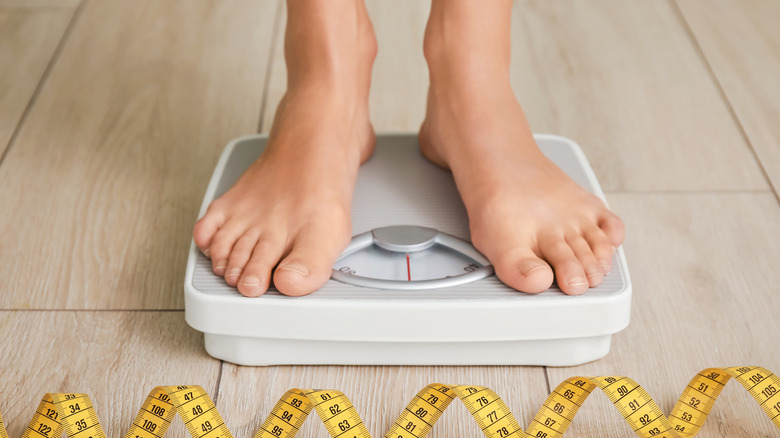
{"points": [[481, 322]]}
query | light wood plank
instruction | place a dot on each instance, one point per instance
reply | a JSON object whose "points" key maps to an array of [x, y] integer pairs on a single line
{"points": [[624, 80], [399, 84], [741, 41], [378, 393], [28, 39], [102, 188], [705, 294], [115, 357]]}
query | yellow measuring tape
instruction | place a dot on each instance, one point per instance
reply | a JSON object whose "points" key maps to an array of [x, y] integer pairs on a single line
{"points": [[76, 415]]}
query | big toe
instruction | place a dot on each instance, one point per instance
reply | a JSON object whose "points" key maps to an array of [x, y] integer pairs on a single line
{"points": [[521, 269], [301, 273], [309, 264]]}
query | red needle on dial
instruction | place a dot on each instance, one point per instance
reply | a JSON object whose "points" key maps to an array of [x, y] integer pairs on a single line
{"points": [[408, 269]]}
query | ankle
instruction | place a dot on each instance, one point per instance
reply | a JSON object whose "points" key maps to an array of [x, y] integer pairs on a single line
{"points": [[339, 49], [464, 51]]}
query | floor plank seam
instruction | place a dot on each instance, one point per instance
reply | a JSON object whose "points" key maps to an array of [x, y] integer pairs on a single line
{"points": [[219, 381], [269, 65], [547, 380], [714, 77], [42, 82]]}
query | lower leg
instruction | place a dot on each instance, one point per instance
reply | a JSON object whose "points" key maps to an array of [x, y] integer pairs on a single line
{"points": [[525, 214], [290, 210]]}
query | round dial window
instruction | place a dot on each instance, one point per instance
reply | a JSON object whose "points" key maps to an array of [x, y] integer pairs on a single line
{"points": [[409, 257]]}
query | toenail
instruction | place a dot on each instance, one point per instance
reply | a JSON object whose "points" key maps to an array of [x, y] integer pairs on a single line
{"points": [[528, 272], [206, 252], [594, 274], [578, 281], [251, 281], [219, 270], [606, 268], [296, 267], [235, 272]]}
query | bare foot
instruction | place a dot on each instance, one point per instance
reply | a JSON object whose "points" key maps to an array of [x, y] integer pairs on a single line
{"points": [[526, 215], [292, 206]]}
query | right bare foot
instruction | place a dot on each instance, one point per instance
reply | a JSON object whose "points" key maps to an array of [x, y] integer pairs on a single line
{"points": [[291, 209]]}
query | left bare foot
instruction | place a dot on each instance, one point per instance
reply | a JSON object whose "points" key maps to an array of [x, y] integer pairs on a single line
{"points": [[526, 215]]}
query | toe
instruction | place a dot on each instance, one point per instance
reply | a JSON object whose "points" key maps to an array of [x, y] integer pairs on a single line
{"points": [[601, 247], [588, 260], [302, 272], [205, 229], [568, 269], [256, 275], [613, 228], [239, 256], [220, 248], [309, 264], [521, 269]]}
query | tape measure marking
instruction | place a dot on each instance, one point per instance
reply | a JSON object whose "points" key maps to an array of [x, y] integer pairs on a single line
{"points": [[75, 414], [333, 407]]}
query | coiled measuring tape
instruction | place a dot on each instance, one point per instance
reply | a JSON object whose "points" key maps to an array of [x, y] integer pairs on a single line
{"points": [[76, 415]]}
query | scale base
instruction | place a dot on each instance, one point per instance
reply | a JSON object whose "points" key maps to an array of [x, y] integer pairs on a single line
{"points": [[266, 351], [483, 322]]}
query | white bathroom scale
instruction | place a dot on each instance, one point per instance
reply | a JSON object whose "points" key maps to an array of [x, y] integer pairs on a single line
{"points": [[409, 289]]}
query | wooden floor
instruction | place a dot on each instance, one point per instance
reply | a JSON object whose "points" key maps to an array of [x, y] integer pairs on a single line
{"points": [[113, 114]]}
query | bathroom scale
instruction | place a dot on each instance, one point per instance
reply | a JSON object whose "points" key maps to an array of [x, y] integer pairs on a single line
{"points": [[409, 289]]}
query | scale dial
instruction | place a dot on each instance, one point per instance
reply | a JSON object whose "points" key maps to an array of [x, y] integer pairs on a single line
{"points": [[408, 257]]}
